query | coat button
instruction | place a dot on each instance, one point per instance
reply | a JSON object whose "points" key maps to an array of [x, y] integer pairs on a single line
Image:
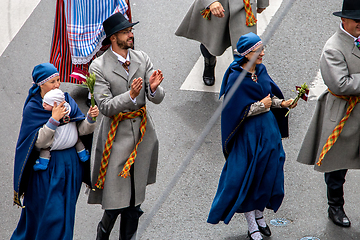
{"points": [[134, 120]]}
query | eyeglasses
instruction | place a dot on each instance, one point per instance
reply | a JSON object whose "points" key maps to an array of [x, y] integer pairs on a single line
{"points": [[127, 32], [259, 50]]}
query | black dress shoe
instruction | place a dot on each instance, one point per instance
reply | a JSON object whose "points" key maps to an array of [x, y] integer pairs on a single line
{"points": [[249, 234], [264, 230], [209, 71], [338, 216]]}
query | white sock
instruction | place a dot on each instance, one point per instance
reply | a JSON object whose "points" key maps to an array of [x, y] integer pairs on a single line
{"points": [[250, 218], [259, 216]]}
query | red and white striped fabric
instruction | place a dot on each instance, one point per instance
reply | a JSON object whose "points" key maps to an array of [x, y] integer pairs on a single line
{"points": [[63, 48]]}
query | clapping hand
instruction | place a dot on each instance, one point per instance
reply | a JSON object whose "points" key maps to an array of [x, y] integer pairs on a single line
{"points": [[136, 87], [155, 80]]}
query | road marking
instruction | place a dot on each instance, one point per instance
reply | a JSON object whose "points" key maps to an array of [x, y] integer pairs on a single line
{"points": [[194, 81], [13, 14], [316, 87]]}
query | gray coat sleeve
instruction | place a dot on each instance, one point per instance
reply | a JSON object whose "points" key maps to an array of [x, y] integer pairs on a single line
{"points": [[159, 93], [335, 73]]}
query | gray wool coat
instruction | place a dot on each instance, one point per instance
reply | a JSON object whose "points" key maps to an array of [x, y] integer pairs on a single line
{"points": [[340, 69], [218, 34], [112, 80]]}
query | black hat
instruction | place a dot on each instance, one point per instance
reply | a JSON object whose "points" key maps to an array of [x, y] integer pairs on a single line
{"points": [[350, 9], [113, 24]]}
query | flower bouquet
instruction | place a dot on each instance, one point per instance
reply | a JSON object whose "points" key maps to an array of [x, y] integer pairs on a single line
{"points": [[303, 92], [86, 80]]}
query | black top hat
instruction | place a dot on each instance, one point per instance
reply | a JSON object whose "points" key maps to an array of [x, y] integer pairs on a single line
{"points": [[350, 9], [113, 24]]}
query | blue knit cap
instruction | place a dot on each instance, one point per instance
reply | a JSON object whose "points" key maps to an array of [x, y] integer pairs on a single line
{"points": [[41, 74], [245, 45]]}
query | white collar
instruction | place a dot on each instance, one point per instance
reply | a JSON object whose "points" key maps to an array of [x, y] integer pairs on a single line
{"points": [[121, 58], [342, 28]]}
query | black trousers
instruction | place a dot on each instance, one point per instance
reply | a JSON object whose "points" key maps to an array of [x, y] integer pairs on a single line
{"points": [[335, 191], [129, 217], [335, 180], [205, 52]]}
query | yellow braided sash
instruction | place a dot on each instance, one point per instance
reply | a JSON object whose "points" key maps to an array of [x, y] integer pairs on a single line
{"points": [[352, 100], [250, 18], [109, 142]]}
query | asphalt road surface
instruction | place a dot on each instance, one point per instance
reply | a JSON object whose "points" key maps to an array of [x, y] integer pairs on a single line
{"points": [[291, 58]]}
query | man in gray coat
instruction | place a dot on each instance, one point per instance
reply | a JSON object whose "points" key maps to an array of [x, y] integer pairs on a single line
{"points": [[127, 147], [216, 33], [328, 144]]}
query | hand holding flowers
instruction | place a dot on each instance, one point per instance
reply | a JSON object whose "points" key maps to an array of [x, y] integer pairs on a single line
{"points": [[303, 92]]}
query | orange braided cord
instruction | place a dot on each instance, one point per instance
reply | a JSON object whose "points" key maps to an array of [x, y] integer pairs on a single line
{"points": [[353, 100], [250, 18], [130, 161], [110, 139]]}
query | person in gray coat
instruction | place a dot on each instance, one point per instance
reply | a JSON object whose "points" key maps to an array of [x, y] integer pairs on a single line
{"points": [[218, 32], [329, 145], [126, 152]]}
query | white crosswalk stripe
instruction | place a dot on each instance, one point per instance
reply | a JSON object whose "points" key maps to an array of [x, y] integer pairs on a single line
{"points": [[13, 14]]}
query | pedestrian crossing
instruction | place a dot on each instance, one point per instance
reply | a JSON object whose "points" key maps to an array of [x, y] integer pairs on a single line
{"points": [[13, 15], [194, 81]]}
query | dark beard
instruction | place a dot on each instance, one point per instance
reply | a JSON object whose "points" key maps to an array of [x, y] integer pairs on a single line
{"points": [[124, 44]]}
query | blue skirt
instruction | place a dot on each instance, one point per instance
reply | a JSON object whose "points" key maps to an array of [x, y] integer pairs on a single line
{"points": [[253, 175], [50, 199]]}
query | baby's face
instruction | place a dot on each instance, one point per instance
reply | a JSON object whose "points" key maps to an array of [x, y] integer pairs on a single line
{"points": [[47, 106]]}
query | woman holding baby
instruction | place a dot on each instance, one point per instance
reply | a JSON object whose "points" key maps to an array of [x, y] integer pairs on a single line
{"points": [[49, 193]]}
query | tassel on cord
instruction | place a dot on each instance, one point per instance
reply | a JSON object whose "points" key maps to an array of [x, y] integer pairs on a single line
{"points": [[250, 18], [206, 13]]}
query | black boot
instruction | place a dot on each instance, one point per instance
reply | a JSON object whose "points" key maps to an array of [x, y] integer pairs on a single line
{"points": [[129, 222], [336, 209], [209, 71], [105, 226]]}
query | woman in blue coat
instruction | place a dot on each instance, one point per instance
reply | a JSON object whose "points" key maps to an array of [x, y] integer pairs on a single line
{"points": [[252, 125], [50, 194]]}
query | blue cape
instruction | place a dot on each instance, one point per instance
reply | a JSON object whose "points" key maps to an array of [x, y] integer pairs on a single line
{"points": [[34, 117], [247, 93]]}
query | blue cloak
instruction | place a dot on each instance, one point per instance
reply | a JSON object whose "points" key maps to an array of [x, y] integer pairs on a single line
{"points": [[34, 117], [50, 195], [252, 177]]}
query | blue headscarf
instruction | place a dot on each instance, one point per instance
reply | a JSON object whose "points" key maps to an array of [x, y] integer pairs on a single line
{"points": [[245, 45], [41, 74]]}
